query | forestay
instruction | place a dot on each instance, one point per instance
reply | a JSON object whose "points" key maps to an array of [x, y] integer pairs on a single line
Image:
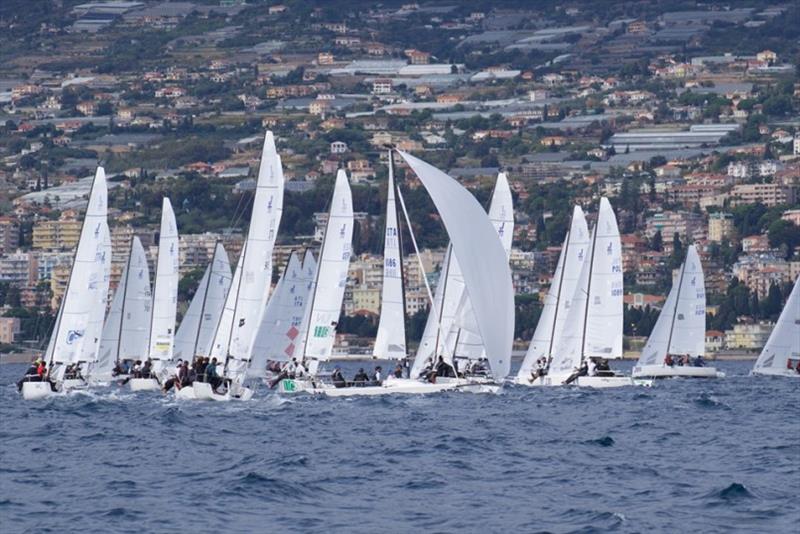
{"points": [[390, 342], [487, 275], [197, 328], [73, 318], [681, 325], [165, 291], [784, 341], [125, 333], [249, 291], [328, 290], [560, 295]]}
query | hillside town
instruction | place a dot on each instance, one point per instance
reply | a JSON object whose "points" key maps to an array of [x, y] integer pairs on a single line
{"points": [[688, 120]]}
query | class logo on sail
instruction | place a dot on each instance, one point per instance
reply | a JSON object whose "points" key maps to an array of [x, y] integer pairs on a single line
{"points": [[73, 336]]}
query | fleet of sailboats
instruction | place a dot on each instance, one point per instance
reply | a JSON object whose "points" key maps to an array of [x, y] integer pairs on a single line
{"points": [[466, 345]]}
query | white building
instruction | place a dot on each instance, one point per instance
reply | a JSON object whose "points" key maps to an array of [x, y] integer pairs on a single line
{"points": [[338, 147]]}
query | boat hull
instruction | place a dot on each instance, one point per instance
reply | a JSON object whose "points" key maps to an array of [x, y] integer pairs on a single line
{"points": [[36, 390], [398, 386], [786, 373], [204, 391], [185, 394], [599, 382], [665, 371], [144, 384], [74, 383]]}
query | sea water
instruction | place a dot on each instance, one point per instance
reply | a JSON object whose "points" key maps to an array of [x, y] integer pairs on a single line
{"points": [[682, 456]]}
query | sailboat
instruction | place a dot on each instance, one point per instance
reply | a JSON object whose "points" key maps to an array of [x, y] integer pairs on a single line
{"points": [[98, 294], [165, 302], [593, 329], [781, 354], [249, 292], [66, 341], [280, 329], [559, 297], [125, 331], [680, 329]]}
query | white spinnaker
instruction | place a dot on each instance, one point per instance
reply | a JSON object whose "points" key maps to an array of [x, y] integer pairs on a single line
{"points": [[559, 297], [604, 319], [681, 325], [486, 273], [279, 332], [197, 328], [390, 342], [249, 291], [165, 291], [99, 278], [128, 322], [328, 291], [73, 319], [501, 213], [784, 341]]}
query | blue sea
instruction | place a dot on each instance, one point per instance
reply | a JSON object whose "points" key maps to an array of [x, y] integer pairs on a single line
{"points": [[682, 456]]}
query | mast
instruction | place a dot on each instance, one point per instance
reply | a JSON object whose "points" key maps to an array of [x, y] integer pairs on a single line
{"points": [[558, 295], [205, 296], [124, 298], [677, 300], [400, 247], [236, 300], [74, 257], [589, 285]]}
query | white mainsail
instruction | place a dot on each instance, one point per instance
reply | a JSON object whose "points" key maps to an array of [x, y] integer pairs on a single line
{"points": [[559, 297], [486, 274], [98, 287], [128, 322], [681, 325], [165, 291], [328, 290], [594, 322], [390, 342], [73, 317], [247, 298], [501, 213], [197, 328], [784, 341], [280, 327]]}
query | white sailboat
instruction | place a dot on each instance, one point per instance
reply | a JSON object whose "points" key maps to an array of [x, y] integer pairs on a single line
{"points": [[594, 324], [125, 332], [247, 298], [390, 341], [161, 337], [98, 287], [680, 329], [282, 324], [197, 328], [66, 342], [781, 354], [559, 297]]}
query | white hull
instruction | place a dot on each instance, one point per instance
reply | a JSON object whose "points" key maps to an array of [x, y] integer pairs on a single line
{"points": [[665, 371], [36, 390], [786, 373], [395, 386], [203, 391], [585, 381], [144, 384], [186, 393], [74, 383]]}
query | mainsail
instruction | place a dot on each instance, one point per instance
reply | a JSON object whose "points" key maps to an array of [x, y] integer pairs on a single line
{"points": [[681, 325], [249, 291], [328, 291], [390, 342], [73, 317], [594, 322], [128, 322], [559, 297], [197, 328], [784, 341], [165, 291], [98, 287], [487, 276]]}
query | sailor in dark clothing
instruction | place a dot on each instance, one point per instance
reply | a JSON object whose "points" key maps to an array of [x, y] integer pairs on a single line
{"points": [[583, 370], [338, 378], [211, 374], [377, 378], [31, 375], [147, 368], [398, 371], [361, 378]]}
